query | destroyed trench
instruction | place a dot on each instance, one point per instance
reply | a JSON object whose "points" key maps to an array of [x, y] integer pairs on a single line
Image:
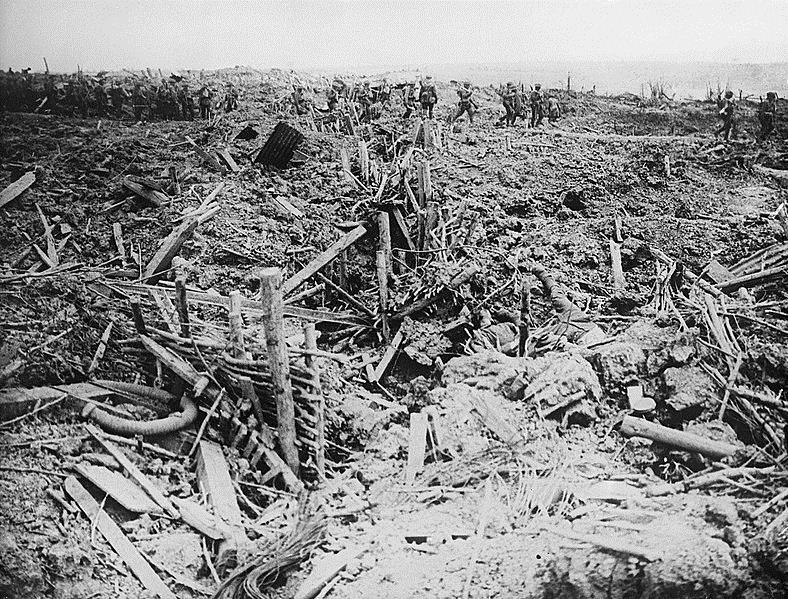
{"points": [[280, 355]]}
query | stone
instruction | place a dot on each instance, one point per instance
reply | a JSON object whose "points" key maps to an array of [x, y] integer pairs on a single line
{"points": [[688, 390]]}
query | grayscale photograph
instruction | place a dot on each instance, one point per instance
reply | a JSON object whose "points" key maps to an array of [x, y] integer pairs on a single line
{"points": [[393, 299]]}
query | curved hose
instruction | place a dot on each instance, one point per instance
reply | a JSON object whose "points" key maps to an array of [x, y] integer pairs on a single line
{"points": [[139, 390], [128, 428]]}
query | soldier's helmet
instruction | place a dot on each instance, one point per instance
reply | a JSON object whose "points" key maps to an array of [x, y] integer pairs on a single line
{"points": [[466, 84], [538, 86], [510, 84], [729, 94]]}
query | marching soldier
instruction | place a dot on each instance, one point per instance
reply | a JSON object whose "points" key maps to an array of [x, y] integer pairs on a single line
{"points": [[553, 109], [537, 107], [206, 102], [767, 112], [428, 97], [511, 103], [230, 98], [139, 101], [726, 113], [409, 99], [466, 102]]}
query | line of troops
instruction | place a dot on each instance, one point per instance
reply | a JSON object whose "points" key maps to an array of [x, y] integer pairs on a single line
{"points": [[89, 96], [370, 100], [767, 114]]}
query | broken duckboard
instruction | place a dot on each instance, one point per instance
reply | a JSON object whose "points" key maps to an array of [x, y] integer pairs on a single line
{"points": [[213, 479], [17, 188], [121, 489], [117, 540]]}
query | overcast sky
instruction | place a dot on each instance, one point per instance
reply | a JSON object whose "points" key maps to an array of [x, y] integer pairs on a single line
{"points": [[173, 34]]}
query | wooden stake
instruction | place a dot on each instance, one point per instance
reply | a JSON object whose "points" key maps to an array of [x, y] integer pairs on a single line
{"points": [[525, 316], [102, 347], [136, 312], [323, 258], [383, 293], [182, 306], [236, 325], [615, 263], [384, 239], [271, 291], [117, 234], [420, 189], [427, 181], [363, 158], [317, 402]]}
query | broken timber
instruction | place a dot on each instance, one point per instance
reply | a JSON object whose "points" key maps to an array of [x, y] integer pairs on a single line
{"points": [[211, 160], [117, 540], [171, 245], [637, 427], [460, 279], [17, 188], [213, 478], [271, 292], [121, 489], [324, 258], [153, 196]]}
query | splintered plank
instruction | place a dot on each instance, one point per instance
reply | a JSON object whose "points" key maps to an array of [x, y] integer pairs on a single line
{"points": [[17, 188], [135, 473], [288, 207], [224, 154], [324, 258], [153, 196], [169, 248], [213, 478], [121, 489], [388, 356], [206, 157], [117, 540], [417, 446]]}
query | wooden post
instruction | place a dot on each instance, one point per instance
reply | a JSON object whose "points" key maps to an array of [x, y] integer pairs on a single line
{"points": [[271, 292], [343, 268], [363, 159], [383, 293], [615, 263], [430, 224], [427, 182], [117, 233], [236, 325], [525, 316], [428, 133], [182, 306], [420, 189], [318, 402], [384, 239], [136, 311]]}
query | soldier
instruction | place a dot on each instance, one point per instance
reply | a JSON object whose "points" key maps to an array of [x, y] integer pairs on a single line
{"points": [[409, 99], [332, 97], [767, 112], [230, 98], [364, 99], [537, 108], [466, 102], [553, 109], [511, 103], [726, 114], [428, 97], [206, 100], [117, 96], [139, 101], [384, 95], [299, 102]]}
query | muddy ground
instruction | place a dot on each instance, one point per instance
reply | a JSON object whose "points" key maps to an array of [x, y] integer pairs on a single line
{"points": [[564, 507]]}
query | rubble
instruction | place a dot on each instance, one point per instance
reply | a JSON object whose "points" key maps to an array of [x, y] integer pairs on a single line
{"points": [[364, 356]]}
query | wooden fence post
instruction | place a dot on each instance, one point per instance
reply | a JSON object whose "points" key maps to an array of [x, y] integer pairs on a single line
{"points": [[384, 238], [318, 402], [271, 291], [236, 325], [383, 293]]}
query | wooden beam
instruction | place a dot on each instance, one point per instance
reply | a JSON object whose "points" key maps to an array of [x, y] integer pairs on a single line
{"points": [[213, 478], [318, 403], [120, 488], [15, 401], [117, 540], [17, 188], [637, 427], [271, 292], [417, 446], [224, 154], [135, 473], [388, 356], [323, 258], [236, 325], [171, 245], [153, 196]]}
